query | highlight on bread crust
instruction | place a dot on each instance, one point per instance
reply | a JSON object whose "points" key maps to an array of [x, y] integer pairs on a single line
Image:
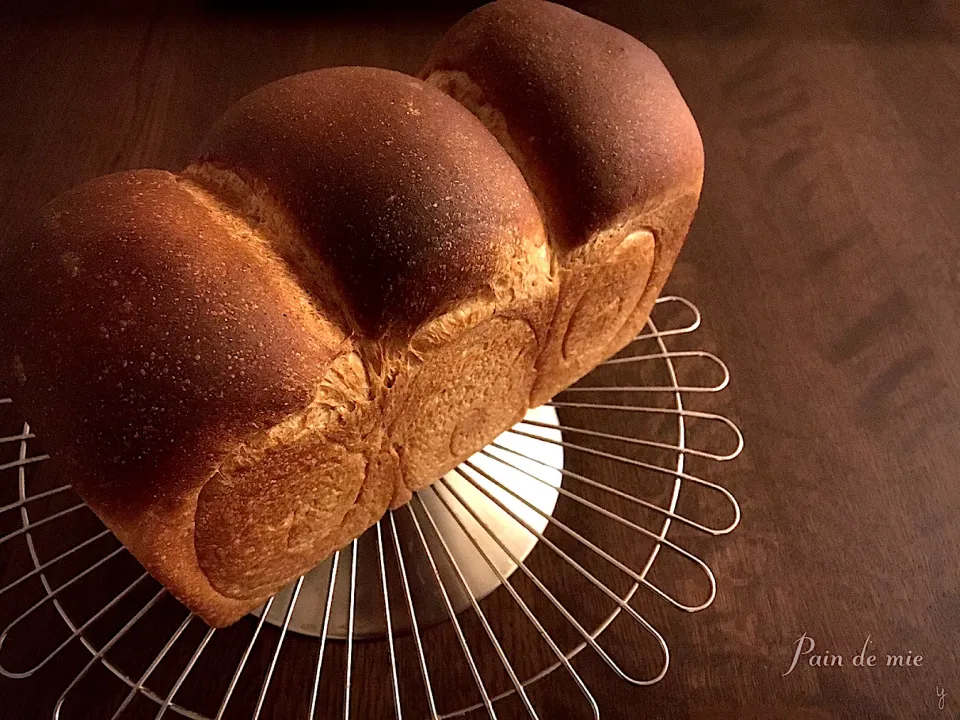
{"points": [[361, 280]]}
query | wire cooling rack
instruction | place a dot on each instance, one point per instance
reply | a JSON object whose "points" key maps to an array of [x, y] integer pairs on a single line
{"points": [[496, 578]]}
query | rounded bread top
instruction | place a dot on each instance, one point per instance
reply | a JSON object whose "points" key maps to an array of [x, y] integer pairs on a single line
{"points": [[595, 116], [145, 338], [412, 204]]}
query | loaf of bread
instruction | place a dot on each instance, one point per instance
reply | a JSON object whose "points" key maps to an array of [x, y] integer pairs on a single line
{"points": [[362, 279]]}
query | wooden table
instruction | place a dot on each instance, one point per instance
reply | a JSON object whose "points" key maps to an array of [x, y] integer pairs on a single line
{"points": [[825, 258]]}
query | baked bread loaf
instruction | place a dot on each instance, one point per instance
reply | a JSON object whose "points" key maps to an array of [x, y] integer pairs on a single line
{"points": [[362, 279]]}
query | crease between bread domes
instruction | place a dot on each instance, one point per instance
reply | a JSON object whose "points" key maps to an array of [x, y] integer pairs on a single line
{"points": [[246, 205], [531, 259], [346, 388], [367, 368]]}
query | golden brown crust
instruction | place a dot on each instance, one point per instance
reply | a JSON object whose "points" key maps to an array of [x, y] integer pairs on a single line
{"points": [[185, 334], [456, 205], [606, 143], [401, 191], [350, 292], [597, 121], [148, 340]]}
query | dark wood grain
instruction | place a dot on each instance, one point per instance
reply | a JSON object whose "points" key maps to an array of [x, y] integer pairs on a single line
{"points": [[825, 258]]}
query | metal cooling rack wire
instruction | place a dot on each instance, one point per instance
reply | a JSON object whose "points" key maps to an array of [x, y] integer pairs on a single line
{"points": [[448, 497]]}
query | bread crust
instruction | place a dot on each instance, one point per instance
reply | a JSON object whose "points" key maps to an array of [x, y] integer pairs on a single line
{"points": [[595, 121], [146, 340], [361, 280], [606, 143], [404, 195]]}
